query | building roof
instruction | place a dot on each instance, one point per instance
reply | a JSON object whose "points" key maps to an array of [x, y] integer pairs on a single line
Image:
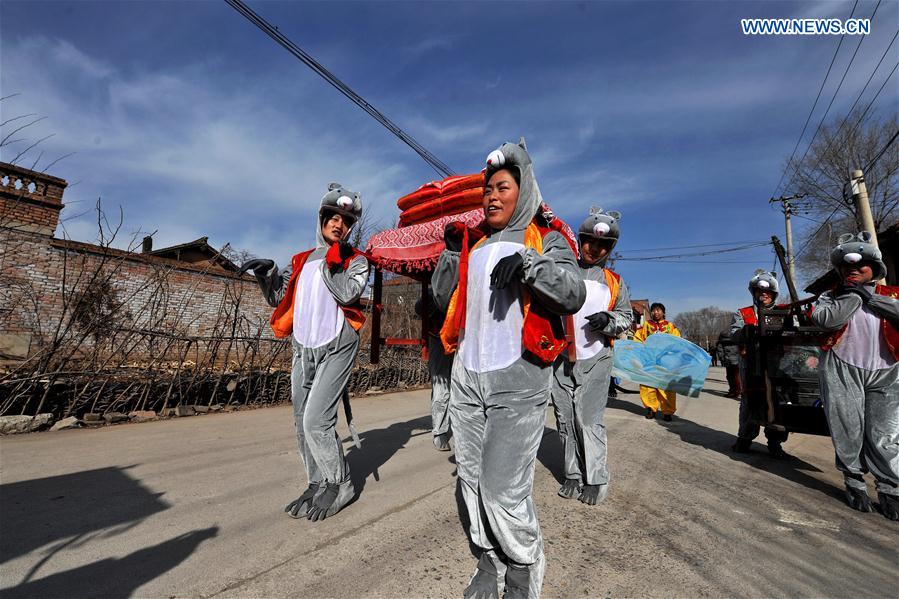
{"points": [[195, 251]]}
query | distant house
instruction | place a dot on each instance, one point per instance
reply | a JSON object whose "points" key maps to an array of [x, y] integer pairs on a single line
{"points": [[197, 252]]}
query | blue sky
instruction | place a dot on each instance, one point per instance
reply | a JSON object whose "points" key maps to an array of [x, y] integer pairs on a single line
{"points": [[197, 124]]}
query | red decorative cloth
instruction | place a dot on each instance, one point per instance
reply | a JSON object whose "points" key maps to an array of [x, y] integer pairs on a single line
{"points": [[416, 248], [444, 187]]}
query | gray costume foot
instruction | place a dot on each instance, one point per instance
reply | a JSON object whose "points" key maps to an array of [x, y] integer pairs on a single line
{"points": [[889, 506], [569, 488], [593, 494], [330, 500], [298, 507], [858, 499], [441, 442], [483, 584], [518, 582]]}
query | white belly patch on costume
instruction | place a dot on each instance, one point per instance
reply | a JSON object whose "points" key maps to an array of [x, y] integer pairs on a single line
{"points": [[862, 345], [317, 319], [494, 318], [589, 343]]}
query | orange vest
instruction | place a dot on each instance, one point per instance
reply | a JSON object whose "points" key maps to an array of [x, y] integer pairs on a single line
{"points": [[542, 333], [887, 329], [282, 318]]}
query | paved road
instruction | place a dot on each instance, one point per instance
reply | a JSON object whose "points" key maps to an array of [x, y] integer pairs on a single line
{"points": [[192, 508]]}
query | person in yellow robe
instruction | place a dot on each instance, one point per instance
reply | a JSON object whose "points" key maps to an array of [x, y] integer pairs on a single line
{"points": [[654, 399]]}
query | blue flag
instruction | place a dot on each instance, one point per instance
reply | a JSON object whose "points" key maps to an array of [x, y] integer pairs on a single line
{"points": [[664, 362]]}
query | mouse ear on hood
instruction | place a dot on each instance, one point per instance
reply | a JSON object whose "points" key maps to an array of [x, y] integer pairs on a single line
{"points": [[845, 238], [865, 237], [614, 214], [334, 185]]}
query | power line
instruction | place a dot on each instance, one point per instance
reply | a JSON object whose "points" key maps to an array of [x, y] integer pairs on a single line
{"points": [[703, 245], [813, 235], [861, 93], [880, 153], [697, 254], [864, 112], [812, 111], [832, 99], [438, 165]]}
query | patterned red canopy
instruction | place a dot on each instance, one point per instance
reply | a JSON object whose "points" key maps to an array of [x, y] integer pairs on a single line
{"points": [[415, 249]]}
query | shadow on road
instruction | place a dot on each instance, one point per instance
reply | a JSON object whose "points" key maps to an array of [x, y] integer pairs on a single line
{"points": [[71, 507], [114, 578], [68, 511], [627, 406], [379, 445], [715, 440]]}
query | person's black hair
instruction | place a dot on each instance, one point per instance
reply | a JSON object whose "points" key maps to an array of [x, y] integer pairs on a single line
{"points": [[512, 171], [327, 212], [655, 305]]}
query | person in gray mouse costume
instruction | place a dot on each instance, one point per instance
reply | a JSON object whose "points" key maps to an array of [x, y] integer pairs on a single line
{"points": [[764, 289], [581, 374], [859, 372], [440, 367], [503, 288], [316, 301]]}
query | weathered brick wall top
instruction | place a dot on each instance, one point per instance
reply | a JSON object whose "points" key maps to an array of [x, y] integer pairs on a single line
{"points": [[29, 200]]}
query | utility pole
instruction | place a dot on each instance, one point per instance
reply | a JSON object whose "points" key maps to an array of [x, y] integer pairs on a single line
{"points": [[787, 208], [862, 206]]}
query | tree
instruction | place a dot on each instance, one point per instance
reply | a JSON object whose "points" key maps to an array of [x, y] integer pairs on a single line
{"points": [[15, 145], [703, 326], [821, 175]]}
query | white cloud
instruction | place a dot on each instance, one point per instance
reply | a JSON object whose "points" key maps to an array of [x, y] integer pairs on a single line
{"points": [[190, 158], [429, 131]]}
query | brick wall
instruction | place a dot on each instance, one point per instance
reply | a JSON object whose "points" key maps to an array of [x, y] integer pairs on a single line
{"points": [[42, 278]]}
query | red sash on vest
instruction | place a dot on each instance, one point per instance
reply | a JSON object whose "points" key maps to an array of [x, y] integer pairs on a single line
{"points": [[282, 318]]}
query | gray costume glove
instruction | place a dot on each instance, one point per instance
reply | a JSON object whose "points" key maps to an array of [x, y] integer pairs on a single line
{"points": [[452, 236], [508, 269], [262, 265], [599, 321]]}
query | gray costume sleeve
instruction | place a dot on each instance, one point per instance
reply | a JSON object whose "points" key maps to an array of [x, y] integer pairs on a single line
{"points": [[274, 284], [832, 313], [553, 275], [736, 328], [347, 285], [622, 315], [885, 307], [445, 279]]}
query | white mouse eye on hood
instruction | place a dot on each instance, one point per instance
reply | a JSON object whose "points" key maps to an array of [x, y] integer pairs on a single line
{"points": [[852, 257], [345, 202], [496, 158], [600, 229]]}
